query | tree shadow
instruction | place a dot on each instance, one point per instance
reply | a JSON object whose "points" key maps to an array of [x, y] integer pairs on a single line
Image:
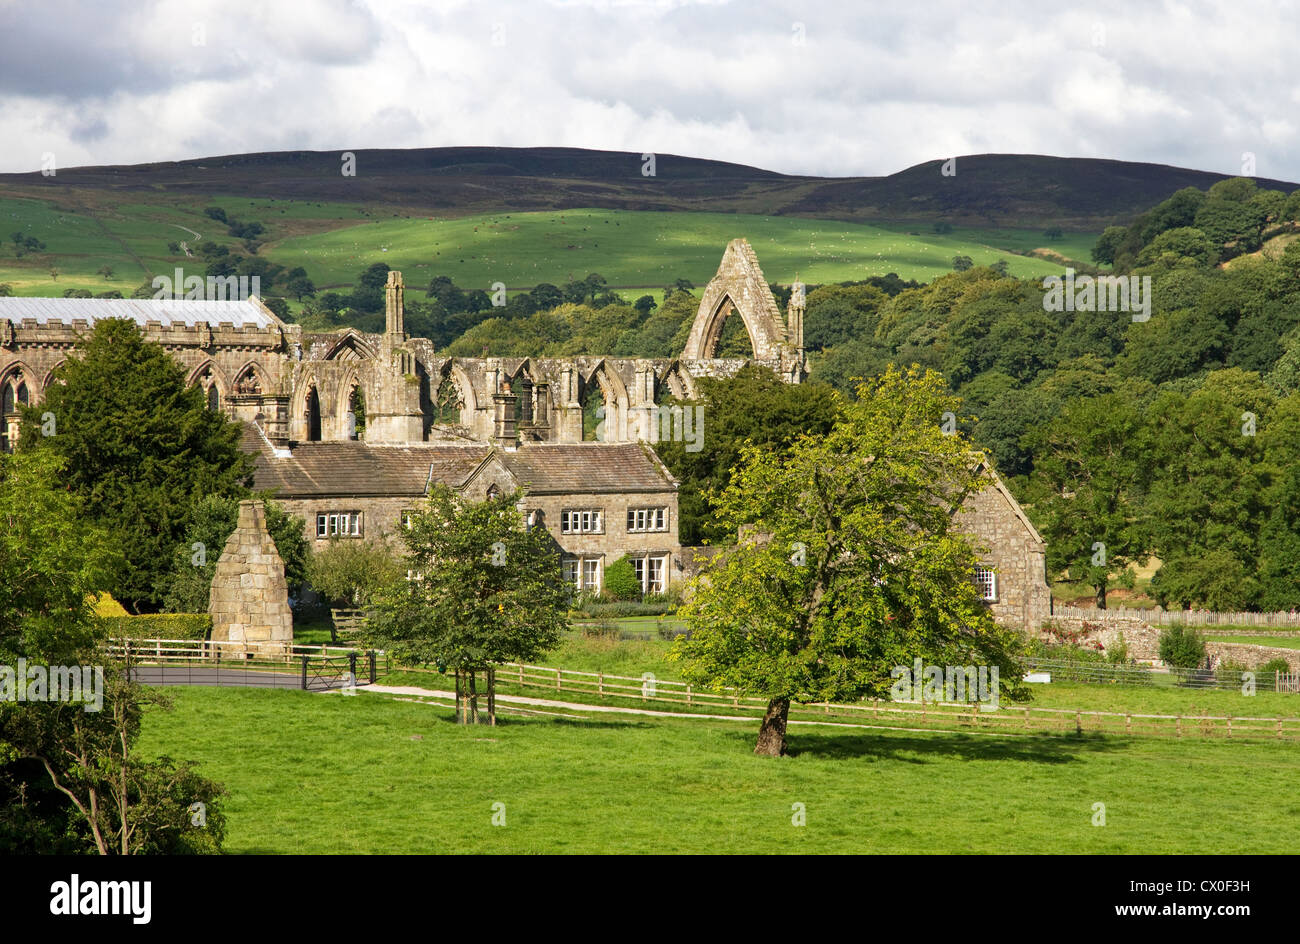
{"points": [[926, 748]]}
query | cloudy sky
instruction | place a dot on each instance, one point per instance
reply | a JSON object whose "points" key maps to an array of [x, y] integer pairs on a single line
{"points": [[840, 88]]}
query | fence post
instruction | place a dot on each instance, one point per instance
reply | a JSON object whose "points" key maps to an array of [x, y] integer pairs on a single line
{"points": [[1078, 722], [688, 694], [600, 683], [304, 672], [557, 681], [1178, 725], [1026, 719], [373, 674], [521, 673], [1128, 724], [352, 666]]}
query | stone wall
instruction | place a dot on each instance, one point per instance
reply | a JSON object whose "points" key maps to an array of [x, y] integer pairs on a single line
{"points": [[249, 598], [1008, 545]]}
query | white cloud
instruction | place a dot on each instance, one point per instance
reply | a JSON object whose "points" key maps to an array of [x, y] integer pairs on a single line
{"points": [[819, 88]]}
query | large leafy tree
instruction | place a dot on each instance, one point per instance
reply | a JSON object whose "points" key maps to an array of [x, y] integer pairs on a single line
{"points": [[1091, 462], [484, 589], [754, 406], [70, 779], [138, 447], [851, 563]]}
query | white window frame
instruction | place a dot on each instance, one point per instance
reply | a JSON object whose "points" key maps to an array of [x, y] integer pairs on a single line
{"points": [[591, 565], [986, 578], [647, 519], [582, 521], [340, 524]]}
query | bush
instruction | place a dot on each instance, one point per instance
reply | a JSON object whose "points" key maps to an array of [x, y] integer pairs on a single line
{"points": [[196, 626], [347, 573], [593, 609], [621, 581], [1274, 665], [1182, 647]]}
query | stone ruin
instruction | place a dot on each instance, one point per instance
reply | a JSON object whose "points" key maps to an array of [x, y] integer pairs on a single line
{"points": [[249, 599]]}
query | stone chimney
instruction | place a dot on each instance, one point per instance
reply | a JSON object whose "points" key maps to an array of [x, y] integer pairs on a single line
{"points": [[249, 599], [275, 420], [504, 428]]}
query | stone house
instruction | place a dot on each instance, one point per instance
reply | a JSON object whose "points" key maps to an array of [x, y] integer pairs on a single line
{"points": [[598, 501], [350, 429]]}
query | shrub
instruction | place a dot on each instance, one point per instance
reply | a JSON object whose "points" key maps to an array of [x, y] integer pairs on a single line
{"points": [[1118, 653], [605, 629], [1182, 647], [196, 626], [621, 581], [1274, 665], [347, 573]]}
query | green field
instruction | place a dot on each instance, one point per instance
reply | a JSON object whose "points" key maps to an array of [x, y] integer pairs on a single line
{"points": [[331, 774], [636, 251], [630, 249]]}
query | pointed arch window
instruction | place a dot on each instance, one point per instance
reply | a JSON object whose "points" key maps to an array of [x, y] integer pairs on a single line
{"points": [[313, 415]]}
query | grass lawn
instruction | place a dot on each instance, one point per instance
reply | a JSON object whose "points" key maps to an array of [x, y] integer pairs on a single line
{"points": [[1281, 642], [331, 774]]}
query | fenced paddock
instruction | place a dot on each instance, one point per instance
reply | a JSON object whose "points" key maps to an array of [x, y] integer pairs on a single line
{"points": [[191, 662], [941, 717], [1141, 675], [320, 668]]}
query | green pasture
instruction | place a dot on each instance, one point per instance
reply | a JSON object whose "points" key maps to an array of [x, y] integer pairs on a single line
{"points": [[631, 249], [310, 773]]}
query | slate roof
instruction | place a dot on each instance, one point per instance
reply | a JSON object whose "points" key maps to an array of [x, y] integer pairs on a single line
{"points": [[188, 312], [361, 469], [357, 469], [566, 468]]}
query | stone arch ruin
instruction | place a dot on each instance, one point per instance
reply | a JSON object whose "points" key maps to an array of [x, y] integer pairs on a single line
{"points": [[740, 288]]}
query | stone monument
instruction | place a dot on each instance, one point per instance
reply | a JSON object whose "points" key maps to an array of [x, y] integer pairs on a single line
{"points": [[249, 600]]}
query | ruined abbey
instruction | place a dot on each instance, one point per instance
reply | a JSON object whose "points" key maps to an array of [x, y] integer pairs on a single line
{"points": [[351, 429]]}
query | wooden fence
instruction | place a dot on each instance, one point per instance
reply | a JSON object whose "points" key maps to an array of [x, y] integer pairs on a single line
{"points": [[651, 691], [941, 717], [1160, 617]]}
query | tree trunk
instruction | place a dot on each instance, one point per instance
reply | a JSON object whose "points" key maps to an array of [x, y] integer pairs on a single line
{"points": [[492, 695], [460, 699], [771, 736], [1101, 596], [473, 700]]}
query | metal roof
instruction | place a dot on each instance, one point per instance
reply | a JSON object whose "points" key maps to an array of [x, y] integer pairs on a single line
{"points": [[188, 312]]}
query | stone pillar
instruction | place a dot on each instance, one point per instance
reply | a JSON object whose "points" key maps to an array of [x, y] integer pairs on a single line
{"points": [[394, 307], [504, 427], [249, 599]]}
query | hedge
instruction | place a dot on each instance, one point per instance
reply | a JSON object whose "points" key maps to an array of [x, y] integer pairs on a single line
{"points": [[158, 626]]}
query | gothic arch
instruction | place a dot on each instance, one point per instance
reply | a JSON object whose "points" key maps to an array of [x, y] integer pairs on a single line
{"points": [[453, 372], [49, 376], [250, 379], [616, 400], [18, 387], [351, 347], [678, 382], [738, 287], [209, 376], [351, 387]]}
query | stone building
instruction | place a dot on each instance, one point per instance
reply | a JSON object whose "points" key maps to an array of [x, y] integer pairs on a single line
{"points": [[351, 428]]}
